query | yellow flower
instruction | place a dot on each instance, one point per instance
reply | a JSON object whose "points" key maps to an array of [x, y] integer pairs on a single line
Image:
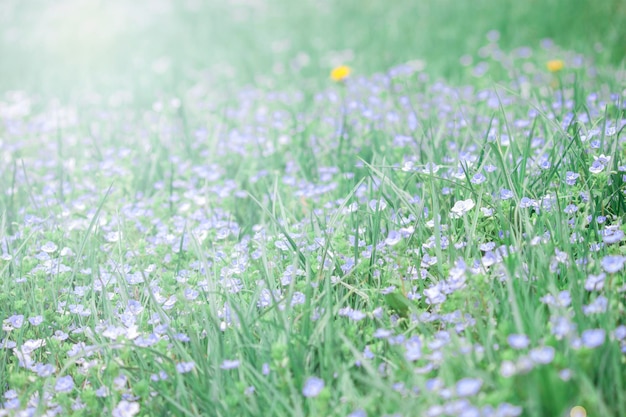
{"points": [[340, 73], [555, 65]]}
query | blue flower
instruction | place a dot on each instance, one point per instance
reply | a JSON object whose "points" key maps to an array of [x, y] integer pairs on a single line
{"points": [[312, 387], [593, 338], [468, 387], [611, 234], [478, 178], [413, 348], [596, 167], [518, 341], [506, 194], [571, 177], [393, 238], [613, 263], [184, 367], [595, 282], [64, 384], [229, 364], [542, 355], [599, 305]]}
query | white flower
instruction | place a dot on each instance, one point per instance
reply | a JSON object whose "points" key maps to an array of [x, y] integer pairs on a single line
{"points": [[125, 409], [461, 207]]}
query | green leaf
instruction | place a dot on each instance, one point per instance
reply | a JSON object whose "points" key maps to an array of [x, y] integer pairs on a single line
{"points": [[398, 302]]}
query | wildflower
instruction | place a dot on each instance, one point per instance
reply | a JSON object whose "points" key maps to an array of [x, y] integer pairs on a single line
{"points": [[66, 252], [430, 168], [613, 263], [596, 167], [312, 387], [382, 333], [544, 163], [60, 335], [620, 332], [390, 289], [120, 382], [468, 387], [526, 202], [161, 376], [78, 405], [11, 404], [518, 341], [478, 178], [64, 384], [413, 348], [461, 207], [265, 369], [611, 234], [542, 355], [340, 73], [31, 345], [570, 209], [49, 247], [435, 410], [461, 408], [102, 392], [10, 394], [561, 327], [599, 305], [493, 36], [507, 369], [563, 299], [506, 194], [43, 370], [555, 65], [565, 374], [524, 364], [377, 205], [434, 295], [595, 282], [184, 367], [393, 238], [229, 364], [571, 177], [14, 322], [190, 294], [508, 410], [593, 338], [603, 159], [357, 315], [125, 409], [578, 411]]}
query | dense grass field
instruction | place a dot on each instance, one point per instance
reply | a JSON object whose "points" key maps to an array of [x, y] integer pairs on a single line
{"points": [[313, 208]]}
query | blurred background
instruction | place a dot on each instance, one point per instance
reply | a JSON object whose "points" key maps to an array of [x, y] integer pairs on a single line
{"points": [[163, 45]]}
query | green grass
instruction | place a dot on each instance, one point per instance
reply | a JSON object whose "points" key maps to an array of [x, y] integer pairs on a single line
{"points": [[195, 230]]}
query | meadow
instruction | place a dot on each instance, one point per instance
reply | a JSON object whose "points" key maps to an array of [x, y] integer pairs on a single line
{"points": [[315, 208]]}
